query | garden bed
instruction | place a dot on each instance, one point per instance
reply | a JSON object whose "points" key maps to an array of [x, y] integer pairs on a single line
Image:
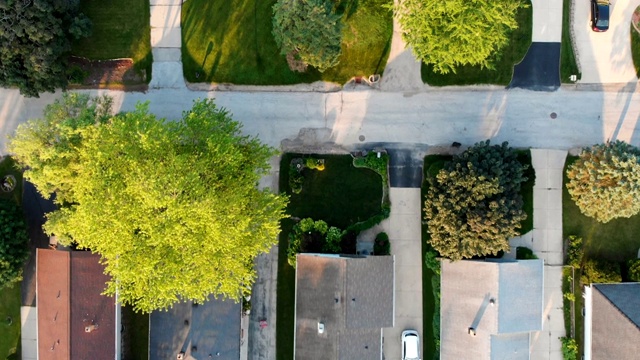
{"points": [[85, 72]]}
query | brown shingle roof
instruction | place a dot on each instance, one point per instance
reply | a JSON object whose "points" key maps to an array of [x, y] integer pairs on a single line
{"points": [[52, 287], [69, 287], [89, 307]]}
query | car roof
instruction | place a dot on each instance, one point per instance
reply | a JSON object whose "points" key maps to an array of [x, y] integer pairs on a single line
{"points": [[411, 348]]}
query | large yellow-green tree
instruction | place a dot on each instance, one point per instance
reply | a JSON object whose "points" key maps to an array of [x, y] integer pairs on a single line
{"points": [[452, 33], [172, 207]]}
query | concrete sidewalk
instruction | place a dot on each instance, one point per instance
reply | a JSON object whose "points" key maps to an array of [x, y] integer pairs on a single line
{"points": [[404, 229], [166, 43], [29, 332]]}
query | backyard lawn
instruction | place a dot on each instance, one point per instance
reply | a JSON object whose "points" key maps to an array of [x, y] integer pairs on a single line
{"points": [[504, 61], [340, 195], [231, 42], [121, 29], [10, 322]]}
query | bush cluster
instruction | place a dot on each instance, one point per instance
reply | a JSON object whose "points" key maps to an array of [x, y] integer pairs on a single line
{"points": [[575, 252], [600, 272], [373, 162], [634, 270], [569, 348], [13, 243], [382, 246], [315, 164], [309, 236]]}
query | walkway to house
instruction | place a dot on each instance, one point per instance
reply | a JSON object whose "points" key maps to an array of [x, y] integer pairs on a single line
{"points": [[546, 242], [166, 42]]}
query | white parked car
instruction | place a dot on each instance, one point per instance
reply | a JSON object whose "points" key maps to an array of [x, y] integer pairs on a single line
{"points": [[410, 345]]}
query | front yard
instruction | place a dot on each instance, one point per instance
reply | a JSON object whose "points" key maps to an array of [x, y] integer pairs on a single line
{"points": [[231, 42], [121, 29], [341, 195], [503, 61]]}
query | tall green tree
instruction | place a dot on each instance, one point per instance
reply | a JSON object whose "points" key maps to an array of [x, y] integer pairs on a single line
{"points": [[452, 33], [474, 205], [605, 181], [310, 29], [13, 243], [173, 208], [35, 39]]}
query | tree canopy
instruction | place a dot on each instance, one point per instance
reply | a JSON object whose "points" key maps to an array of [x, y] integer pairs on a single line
{"points": [[13, 243], [605, 181], [35, 39], [453, 33], [173, 208], [473, 205], [310, 29]]}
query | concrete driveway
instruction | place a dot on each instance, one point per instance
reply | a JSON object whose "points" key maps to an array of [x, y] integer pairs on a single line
{"points": [[604, 57]]}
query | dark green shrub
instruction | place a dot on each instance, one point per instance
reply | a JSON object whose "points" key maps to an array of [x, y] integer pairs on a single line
{"points": [[349, 242], [575, 252], [306, 236], [600, 271], [634, 270], [524, 253], [432, 262], [332, 241], [382, 246], [373, 162], [569, 348], [13, 243], [315, 164]]}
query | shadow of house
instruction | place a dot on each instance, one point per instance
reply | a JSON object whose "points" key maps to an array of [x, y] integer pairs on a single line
{"points": [[612, 321], [342, 304], [489, 309], [74, 320], [199, 331]]}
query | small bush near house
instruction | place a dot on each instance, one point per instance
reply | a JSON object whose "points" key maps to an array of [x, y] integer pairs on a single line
{"points": [[633, 271], [373, 162], [575, 252], [600, 271], [569, 348], [315, 164], [13, 243], [524, 253], [382, 246]]}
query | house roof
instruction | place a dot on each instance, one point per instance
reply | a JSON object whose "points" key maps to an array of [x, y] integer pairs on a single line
{"points": [[212, 327], [53, 305], [69, 287], [89, 307], [353, 297], [502, 301], [615, 323]]}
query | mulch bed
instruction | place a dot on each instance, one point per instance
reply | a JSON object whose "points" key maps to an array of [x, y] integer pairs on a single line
{"points": [[101, 73]]}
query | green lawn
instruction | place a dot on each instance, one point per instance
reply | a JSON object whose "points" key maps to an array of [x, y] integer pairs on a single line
{"points": [[568, 65], [635, 49], [10, 309], [231, 42], [616, 240], [121, 29], [504, 61], [340, 195]]}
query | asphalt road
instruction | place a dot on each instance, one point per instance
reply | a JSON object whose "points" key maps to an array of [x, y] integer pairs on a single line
{"points": [[540, 68]]}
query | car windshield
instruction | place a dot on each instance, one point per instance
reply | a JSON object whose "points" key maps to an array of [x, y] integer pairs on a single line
{"points": [[411, 348]]}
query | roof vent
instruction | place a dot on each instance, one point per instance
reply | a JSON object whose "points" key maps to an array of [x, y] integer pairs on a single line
{"points": [[320, 327], [90, 328], [180, 355], [492, 302], [472, 331]]}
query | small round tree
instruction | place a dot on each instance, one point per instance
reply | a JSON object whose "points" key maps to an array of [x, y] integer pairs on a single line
{"points": [[474, 205], [13, 243], [605, 181], [310, 30]]}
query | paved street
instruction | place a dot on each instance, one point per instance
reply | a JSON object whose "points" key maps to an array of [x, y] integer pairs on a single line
{"points": [[429, 117]]}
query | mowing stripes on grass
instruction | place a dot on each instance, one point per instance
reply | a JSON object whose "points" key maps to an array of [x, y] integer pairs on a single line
{"points": [[121, 29], [231, 42]]}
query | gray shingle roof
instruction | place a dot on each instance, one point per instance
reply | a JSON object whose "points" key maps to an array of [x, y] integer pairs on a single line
{"points": [[615, 333], [326, 287], [468, 287]]}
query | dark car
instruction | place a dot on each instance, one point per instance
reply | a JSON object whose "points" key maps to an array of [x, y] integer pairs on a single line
{"points": [[599, 16]]}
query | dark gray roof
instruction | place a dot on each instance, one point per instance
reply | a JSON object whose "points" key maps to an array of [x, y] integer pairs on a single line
{"points": [[615, 333], [326, 287], [212, 327]]}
